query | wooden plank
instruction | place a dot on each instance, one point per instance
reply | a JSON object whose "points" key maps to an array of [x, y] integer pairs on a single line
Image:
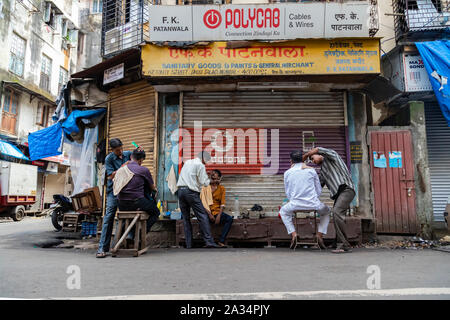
{"points": [[143, 234], [137, 233], [128, 229], [118, 231], [142, 251]]}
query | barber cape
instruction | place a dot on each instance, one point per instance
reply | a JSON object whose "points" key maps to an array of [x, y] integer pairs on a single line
{"points": [[206, 198], [121, 179]]}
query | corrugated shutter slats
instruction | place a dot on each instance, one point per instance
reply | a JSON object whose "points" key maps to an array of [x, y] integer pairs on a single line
{"points": [[263, 109], [132, 118], [438, 142]]}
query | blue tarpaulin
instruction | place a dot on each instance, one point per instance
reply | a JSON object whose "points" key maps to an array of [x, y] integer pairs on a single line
{"points": [[70, 124], [11, 150], [46, 142], [436, 58]]}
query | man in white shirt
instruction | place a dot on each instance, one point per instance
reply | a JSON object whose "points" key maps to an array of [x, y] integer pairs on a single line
{"points": [[303, 189], [192, 178]]}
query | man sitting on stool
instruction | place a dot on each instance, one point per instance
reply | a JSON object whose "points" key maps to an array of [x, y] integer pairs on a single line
{"points": [[134, 195], [303, 189]]}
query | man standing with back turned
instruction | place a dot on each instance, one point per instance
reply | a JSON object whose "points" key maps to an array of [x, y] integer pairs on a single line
{"points": [[335, 175], [192, 178]]}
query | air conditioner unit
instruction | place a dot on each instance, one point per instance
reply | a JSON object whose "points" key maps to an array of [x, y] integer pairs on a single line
{"points": [[113, 40]]}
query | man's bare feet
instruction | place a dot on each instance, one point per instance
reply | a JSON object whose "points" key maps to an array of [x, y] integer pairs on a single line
{"points": [[320, 241]]}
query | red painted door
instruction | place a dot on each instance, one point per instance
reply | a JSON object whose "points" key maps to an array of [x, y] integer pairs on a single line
{"points": [[392, 168]]}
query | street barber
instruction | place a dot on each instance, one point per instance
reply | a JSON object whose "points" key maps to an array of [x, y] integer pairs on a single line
{"points": [[303, 189], [192, 178], [113, 162], [334, 173]]}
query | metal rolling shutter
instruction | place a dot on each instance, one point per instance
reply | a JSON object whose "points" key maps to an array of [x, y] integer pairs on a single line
{"points": [[267, 109], [132, 118], [291, 112], [438, 141]]}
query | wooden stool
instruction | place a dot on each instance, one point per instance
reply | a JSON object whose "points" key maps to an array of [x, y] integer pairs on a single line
{"points": [[315, 241], [130, 219]]}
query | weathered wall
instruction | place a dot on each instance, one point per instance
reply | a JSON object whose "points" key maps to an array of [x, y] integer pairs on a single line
{"points": [[386, 25], [40, 39], [357, 131], [91, 26], [424, 205]]}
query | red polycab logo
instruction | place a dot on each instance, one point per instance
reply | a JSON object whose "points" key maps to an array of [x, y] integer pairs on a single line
{"points": [[212, 19]]}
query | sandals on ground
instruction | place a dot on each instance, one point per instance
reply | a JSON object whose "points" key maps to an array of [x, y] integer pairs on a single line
{"points": [[100, 255]]}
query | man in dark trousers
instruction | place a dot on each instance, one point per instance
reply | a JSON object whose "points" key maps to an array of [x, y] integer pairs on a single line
{"points": [[334, 173], [113, 161], [192, 178]]}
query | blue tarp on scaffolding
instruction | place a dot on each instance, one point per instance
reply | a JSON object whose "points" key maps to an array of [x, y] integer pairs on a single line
{"points": [[436, 58]]}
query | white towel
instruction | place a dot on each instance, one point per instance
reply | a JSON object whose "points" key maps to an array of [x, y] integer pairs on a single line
{"points": [[121, 179], [172, 180]]}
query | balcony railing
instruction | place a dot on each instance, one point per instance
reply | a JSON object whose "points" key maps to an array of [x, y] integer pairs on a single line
{"points": [[419, 18], [125, 23]]}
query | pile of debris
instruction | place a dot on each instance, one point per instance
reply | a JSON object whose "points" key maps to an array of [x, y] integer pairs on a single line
{"points": [[414, 243]]}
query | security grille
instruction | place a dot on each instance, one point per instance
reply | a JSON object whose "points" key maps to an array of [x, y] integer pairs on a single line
{"points": [[125, 25], [414, 17]]}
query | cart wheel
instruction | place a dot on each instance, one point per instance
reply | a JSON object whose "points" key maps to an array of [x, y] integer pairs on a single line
{"points": [[18, 213]]}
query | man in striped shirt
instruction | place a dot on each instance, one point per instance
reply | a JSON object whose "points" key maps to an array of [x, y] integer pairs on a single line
{"points": [[334, 173]]}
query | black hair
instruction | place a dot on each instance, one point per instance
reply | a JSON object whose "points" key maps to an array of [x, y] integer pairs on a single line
{"points": [[296, 156], [205, 156], [115, 143], [138, 154], [218, 172]]}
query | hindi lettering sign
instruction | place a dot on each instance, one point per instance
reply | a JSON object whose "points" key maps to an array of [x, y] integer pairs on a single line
{"points": [[282, 21], [113, 74], [288, 58], [355, 152]]}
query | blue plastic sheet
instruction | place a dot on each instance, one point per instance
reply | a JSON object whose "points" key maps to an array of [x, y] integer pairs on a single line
{"points": [[436, 58], [70, 124], [11, 150], [46, 142]]}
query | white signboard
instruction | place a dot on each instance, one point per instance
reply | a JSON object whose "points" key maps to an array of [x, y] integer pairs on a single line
{"points": [[259, 22], [416, 76], [347, 19], [113, 74]]}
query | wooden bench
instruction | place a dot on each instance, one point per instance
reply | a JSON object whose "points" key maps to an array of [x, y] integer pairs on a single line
{"points": [[314, 241], [128, 219]]}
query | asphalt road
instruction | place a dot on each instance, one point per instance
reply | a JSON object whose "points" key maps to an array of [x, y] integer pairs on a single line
{"points": [[29, 271]]}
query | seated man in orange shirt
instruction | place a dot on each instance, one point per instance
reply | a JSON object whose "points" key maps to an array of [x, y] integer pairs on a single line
{"points": [[217, 215]]}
